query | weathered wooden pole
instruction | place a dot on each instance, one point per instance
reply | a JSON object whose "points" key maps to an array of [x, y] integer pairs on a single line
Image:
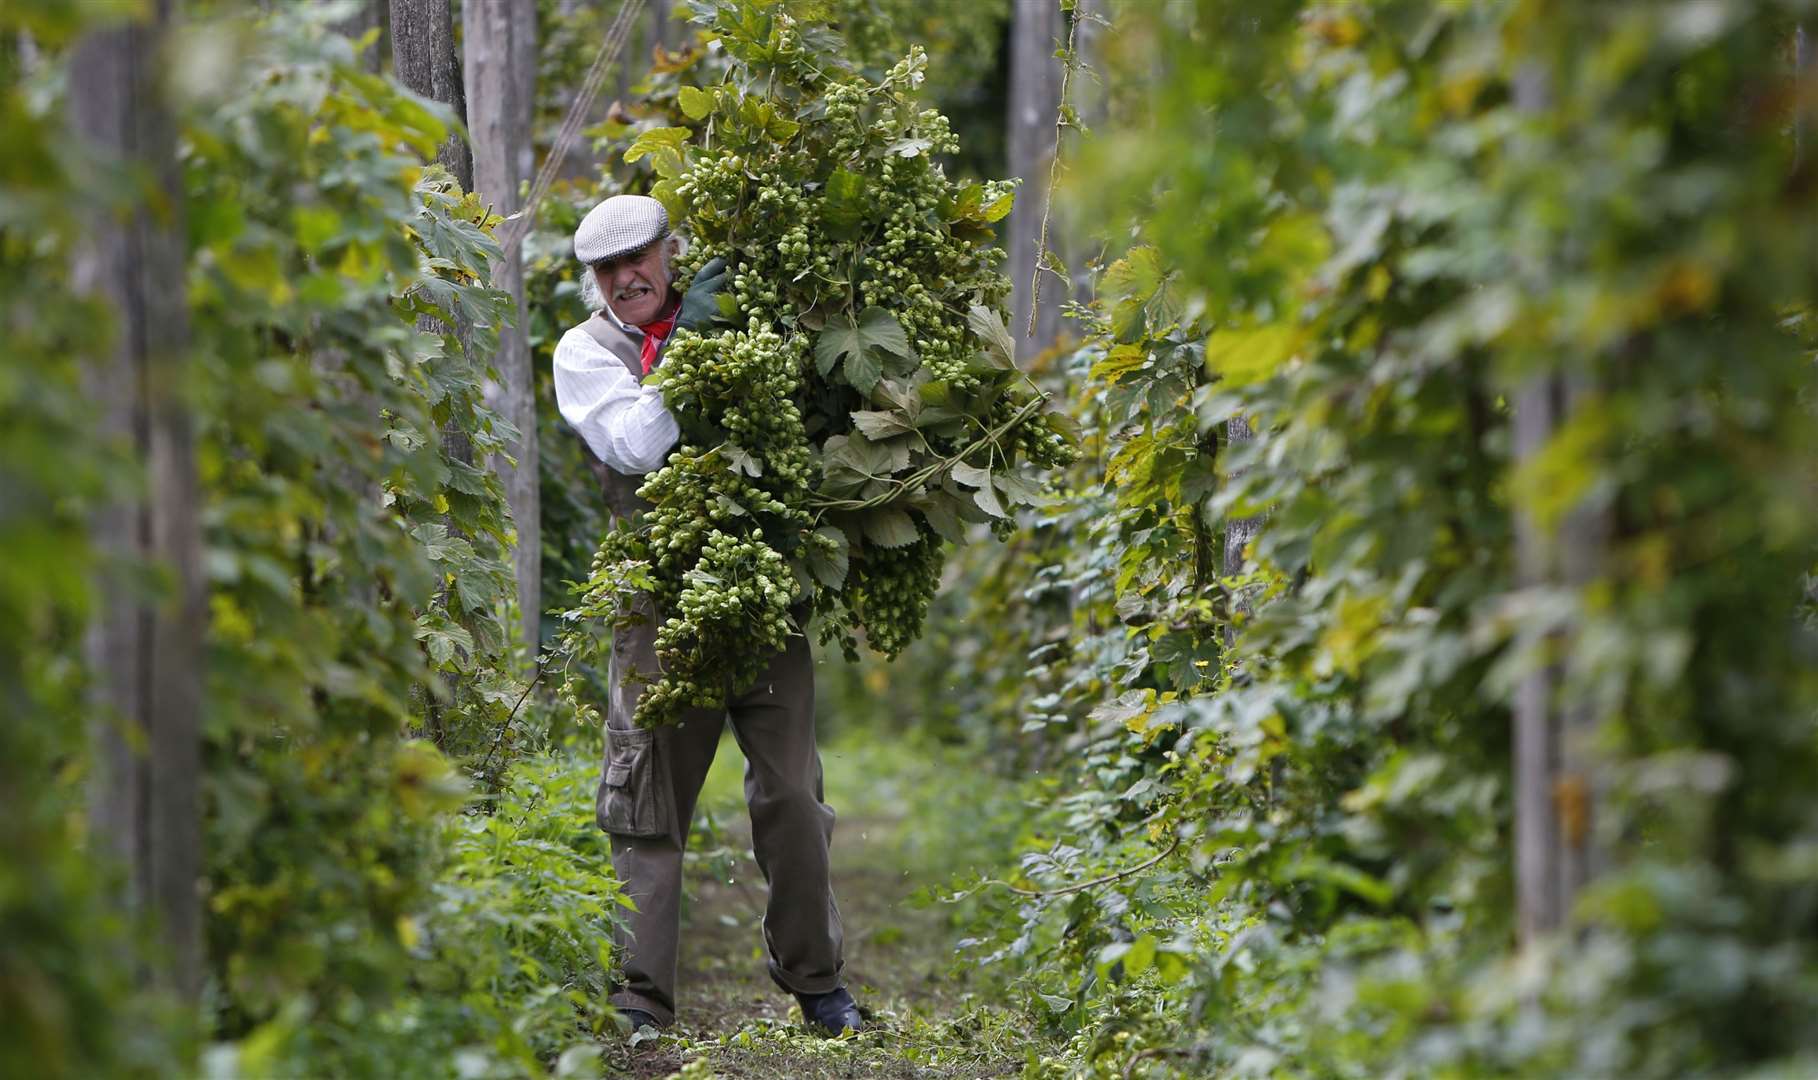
{"points": [[423, 58], [1555, 777], [145, 651], [1037, 28], [1540, 893], [499, 117], [371, 15]]}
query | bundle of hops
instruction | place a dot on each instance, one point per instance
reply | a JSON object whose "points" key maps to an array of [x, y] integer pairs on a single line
{"points": [[858, 405]]}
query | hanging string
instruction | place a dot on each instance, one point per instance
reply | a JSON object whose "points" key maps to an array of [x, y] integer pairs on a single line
{"points": [[518, 224]]}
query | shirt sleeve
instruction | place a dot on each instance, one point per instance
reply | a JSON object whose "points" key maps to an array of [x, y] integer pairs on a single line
{"points": [[625, 423]]}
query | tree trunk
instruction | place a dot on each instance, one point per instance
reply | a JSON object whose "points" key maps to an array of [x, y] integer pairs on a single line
{"points": [[1036, 29], [146, 653], [372, 15], [423, 58], [496, 36]]}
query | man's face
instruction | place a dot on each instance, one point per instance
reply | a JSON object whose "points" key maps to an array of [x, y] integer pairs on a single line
{"points": [[636, 284]]}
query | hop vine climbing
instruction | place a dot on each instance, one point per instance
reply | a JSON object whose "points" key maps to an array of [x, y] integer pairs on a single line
{"points": [[859, 405]]}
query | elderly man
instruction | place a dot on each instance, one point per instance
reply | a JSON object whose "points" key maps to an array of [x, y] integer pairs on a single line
{"points": [[650, 779]]}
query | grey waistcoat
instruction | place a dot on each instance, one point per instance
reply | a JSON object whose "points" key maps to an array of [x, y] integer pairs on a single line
{"points": [[621, 491]]}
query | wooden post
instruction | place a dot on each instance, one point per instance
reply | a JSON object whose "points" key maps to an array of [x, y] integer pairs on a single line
{"points": [[1036, 30], [1238, 531], [1540, 901], [423, 58], [1238, 534], [1087, 94], [665, 30], [372, 15], [500, 115], [145, 652], [1555, 779]]}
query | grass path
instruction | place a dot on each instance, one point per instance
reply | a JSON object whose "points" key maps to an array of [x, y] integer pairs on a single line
{"points": [[897, 835]]}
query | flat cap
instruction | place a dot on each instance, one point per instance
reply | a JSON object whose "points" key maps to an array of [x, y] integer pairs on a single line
{"points": [[621, 224]]}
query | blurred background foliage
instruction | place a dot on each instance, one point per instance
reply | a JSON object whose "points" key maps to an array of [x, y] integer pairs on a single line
{"points": [[360, 669], [1363, 229]]}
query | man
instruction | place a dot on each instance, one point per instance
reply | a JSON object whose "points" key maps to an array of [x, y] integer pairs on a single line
{"points": [[650, 779]]}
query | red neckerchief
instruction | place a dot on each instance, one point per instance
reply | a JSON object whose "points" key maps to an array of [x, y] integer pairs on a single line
{"points": [[655, 333]]}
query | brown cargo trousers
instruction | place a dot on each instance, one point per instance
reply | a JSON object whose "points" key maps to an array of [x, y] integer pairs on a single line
{"points": [[649, 783]]}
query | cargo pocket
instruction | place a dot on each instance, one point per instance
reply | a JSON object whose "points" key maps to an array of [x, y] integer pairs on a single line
{"points": [[634, 793]]}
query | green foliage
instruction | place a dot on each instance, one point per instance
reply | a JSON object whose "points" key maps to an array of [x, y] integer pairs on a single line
{"points": [[1363, 228], [358, 586], [354, 560], [64, 953], [846, 241], [507, 961], [961, 38]]}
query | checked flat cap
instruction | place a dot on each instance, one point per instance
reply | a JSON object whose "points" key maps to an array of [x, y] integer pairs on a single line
{"points": [[621, 224]]}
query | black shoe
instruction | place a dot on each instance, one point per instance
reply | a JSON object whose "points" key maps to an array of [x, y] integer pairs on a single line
{"points": [[639, 1020], [832, 1014]]}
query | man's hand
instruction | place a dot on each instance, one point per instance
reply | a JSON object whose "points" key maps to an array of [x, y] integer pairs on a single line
{"points": [[699, 306]]}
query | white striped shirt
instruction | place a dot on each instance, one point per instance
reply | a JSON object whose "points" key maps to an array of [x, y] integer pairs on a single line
{"points": [[625, 423]]}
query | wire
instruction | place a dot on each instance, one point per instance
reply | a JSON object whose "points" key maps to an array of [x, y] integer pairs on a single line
{"points": [[518, 224]]}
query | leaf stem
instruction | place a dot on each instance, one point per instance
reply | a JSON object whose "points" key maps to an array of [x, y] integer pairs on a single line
{"points": [[1077, 886], [933, 468]]}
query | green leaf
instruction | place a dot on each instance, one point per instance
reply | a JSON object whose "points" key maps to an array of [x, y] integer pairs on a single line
{"points": [[1140, 956], [1249, 356], [852, 462], [1135, 277], [742, 460], [942, 511], [863, 369], [1120, 361], [862, 344], [843, 206], [882, 331], [882, 425], [829, 567], [969, 206], [695, 102], [659, 144], [664, 191], [972, 475], [902, 398], [1000, 347], [1362, 885], [889, 527], [1126, 710], [442, 641], [1019, 489], [985, 496]]}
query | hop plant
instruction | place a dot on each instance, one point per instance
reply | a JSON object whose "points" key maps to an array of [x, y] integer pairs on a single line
{"points": [[861, 408]]}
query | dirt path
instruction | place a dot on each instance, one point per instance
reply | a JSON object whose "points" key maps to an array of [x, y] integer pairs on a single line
{"points": [[899, 953]]}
